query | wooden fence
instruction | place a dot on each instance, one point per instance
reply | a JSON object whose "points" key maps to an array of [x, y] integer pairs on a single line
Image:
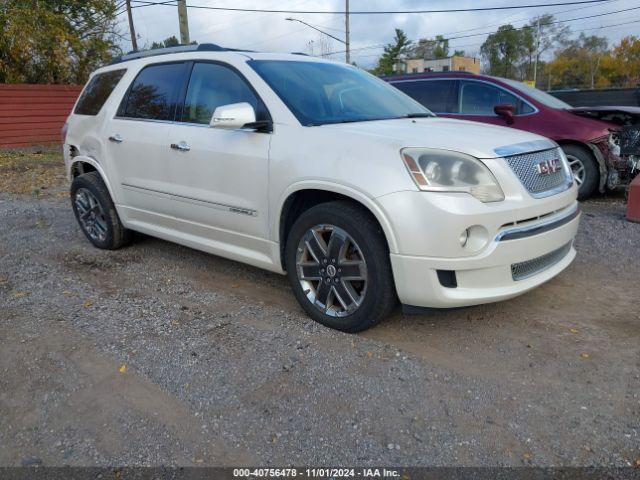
{"points": [[34, 114]]}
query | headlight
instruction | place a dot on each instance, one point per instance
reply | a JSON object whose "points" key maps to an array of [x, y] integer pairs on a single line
{"points": [[445, 171]]}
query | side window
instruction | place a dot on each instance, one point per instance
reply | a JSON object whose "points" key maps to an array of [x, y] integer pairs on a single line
{"points": [[97, 91], [439, 96], [153, 94], [212, 85], [479, 99]]}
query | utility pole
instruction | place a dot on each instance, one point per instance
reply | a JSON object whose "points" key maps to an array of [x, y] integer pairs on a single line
{"points": [[347, 33], [535, 62], [184, 22], [132, 30]]}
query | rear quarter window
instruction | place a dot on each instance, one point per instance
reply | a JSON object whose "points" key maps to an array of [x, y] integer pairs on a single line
{"points": [[439, 96], [97, 91]]}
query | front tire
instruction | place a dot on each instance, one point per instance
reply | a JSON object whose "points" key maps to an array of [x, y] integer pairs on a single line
{"points": [[96, 214], [584, 169], [338, 264]]}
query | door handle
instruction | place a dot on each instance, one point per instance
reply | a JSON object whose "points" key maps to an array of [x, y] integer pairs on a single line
{"points": [[182, 146], [116, 138]]}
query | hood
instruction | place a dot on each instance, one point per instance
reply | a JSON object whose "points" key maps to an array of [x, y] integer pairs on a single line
{"points": [[617, 115], [479, 140]]}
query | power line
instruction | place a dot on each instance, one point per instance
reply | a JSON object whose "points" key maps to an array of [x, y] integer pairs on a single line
{"points": [[549, 23], [379, 12], [521, 28], [526, 19]]}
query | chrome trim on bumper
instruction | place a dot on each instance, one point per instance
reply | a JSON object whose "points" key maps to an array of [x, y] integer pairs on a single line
{"points": [[530, 230]]}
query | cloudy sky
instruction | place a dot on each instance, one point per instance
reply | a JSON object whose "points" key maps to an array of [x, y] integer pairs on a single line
{"points": [[271, 31]]}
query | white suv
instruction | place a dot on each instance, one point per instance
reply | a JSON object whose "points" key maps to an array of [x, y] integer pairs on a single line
{"points": [[322, 171]]}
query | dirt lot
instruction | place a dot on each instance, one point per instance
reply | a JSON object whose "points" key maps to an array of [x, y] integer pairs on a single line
{"points": [[158, 354]]}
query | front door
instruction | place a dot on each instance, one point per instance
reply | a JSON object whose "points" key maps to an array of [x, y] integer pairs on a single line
{"points": [[476, 101], [220, 177]]}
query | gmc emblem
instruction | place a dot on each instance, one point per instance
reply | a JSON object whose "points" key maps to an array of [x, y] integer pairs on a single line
{"points": [[549, 166]]}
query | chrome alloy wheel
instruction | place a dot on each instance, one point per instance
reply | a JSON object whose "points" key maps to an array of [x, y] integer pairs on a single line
{"points": [[577, 169], [332, 270], [91, 215]]}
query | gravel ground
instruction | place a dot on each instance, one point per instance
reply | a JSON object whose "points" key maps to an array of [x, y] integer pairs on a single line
{"points": [[159, 354]]}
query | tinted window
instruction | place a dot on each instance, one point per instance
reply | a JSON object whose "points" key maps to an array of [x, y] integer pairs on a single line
{"points": [[97, 91], [212, 86], [319, 93], [437, 95], [154, 92], [478, 98]]}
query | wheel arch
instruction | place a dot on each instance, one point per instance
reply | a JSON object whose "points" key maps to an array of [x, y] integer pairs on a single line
{"points": [[595, 153], [301, 197], [82, 164]]}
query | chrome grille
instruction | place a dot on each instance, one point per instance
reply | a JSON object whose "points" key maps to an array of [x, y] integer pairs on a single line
{"points": [[522, 270], [525, 168]]}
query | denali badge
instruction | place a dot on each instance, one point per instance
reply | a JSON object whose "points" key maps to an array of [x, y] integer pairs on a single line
{"points": [[549, 166]]}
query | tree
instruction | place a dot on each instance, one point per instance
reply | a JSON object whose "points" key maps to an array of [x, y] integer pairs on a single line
{"points": [[579, 63], [431, 49], [400, 46], [623, 65], [171, 41], [540, 36], [56, 41], [503, 51], [513, 52]]}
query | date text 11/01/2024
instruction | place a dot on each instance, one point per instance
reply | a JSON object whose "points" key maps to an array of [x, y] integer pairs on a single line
{"points": [[316, 472]]}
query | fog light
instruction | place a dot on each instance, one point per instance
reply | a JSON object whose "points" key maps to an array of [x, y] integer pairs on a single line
{"points": [[464, 237]]}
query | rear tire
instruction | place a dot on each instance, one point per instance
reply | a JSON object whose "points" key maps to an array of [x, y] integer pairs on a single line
{"points": [[96, 214], [338, 264], [584, 168]]}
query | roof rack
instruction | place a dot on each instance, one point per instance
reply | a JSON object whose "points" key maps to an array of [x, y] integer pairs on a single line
{"points": [[203, 47]]}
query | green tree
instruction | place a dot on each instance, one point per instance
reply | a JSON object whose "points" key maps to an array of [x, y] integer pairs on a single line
{"points": [[171, 41], [503, 51], [56, 41], [513, 52], [431, 49], [400, 46]]}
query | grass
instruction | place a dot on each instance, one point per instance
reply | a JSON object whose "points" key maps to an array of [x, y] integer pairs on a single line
{"points": [[32, 172]]}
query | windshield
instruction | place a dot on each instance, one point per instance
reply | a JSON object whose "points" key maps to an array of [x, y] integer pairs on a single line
{"points": [[537, 95], [319, 93]]}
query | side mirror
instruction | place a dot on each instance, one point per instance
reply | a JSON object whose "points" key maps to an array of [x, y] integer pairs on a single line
{"points": [[233, 116], [506, 111]]}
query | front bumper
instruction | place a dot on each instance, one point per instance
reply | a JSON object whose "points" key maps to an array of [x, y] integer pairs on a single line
{"points": [[487, 275]]}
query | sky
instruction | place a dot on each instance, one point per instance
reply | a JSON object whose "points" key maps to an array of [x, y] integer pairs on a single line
{"points": [[271, 32]]}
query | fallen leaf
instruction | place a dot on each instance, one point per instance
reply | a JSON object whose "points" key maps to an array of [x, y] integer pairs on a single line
{"points": [[584, 355], [637, 463], [21, 294], [369, 354], [123, 368], [527, 456], [175, 322], [235, 285], [3, 280], [67, 293], [573, 330], [88, 303]]}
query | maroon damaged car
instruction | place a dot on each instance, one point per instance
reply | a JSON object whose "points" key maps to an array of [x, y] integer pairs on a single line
{"points": [[588, 135]]}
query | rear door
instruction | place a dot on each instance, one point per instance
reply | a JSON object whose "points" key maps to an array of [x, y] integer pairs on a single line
{"points": [[220, 177], [139, 141], [439, 96]]}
